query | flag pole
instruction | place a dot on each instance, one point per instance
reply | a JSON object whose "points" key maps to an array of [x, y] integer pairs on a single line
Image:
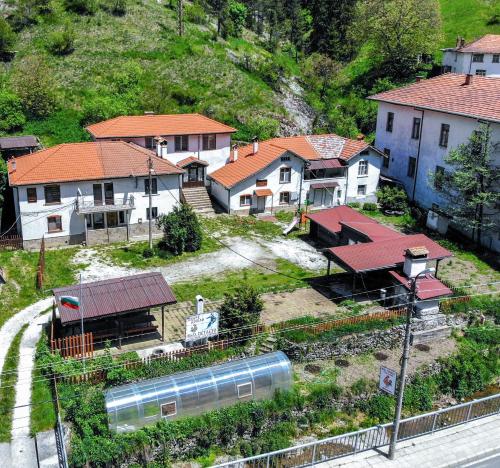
{"points": [[81, 323]]}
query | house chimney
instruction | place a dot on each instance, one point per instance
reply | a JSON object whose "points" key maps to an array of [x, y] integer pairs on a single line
{"points": [[468, 79], [235, 153], [164, 149], [149, 112], [255, 142], [419, 78], [360, 137], [13, 165], [200, 303], [415, 261]]}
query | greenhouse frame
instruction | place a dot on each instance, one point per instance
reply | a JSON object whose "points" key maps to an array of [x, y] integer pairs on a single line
{"points": [[135, 405]]}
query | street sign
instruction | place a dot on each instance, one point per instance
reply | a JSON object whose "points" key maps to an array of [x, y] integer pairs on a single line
{"points": [[201, 326], [387, 380]]}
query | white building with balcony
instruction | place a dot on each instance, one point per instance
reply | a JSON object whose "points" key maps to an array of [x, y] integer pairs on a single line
{"points": [[481, 57], [91, 193], [282, 173], [419, 124]]}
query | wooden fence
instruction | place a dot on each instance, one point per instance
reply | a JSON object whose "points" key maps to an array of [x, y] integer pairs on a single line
{"points": [[71, 346], [40, 271], [100, 374], [11, 242]]}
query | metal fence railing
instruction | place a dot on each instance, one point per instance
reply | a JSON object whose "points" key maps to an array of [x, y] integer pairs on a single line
{"points": [[371, 438], [60, 444]]}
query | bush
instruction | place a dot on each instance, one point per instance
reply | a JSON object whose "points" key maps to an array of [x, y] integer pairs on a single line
{"points": [[148, 253], [195, 13], [82, 7], [380, 407], [392, 198], [11, 112], [61, 42], [419, 395], [354, 204], [7, 38], [239, 312], [115, 7], [323, 395], [370, 206], [488, 334], [181, 230]]}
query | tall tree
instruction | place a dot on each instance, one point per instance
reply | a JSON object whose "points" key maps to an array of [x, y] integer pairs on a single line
{"points": [[331, 24], [471, 187], [400, 30]]}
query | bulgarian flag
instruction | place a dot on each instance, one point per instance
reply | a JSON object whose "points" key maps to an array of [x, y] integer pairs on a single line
{"points": [[70, 302]]}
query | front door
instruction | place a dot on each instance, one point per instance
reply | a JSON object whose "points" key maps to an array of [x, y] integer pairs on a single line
{"points": [[193, 174], [261, 204]]}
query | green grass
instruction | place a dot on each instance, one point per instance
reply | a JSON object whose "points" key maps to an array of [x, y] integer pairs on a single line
{"points": [[43, 414], [240, 226], [7, 390], [130, 255], [262, 280], [400, 221], [467, 18], [20, 267]]}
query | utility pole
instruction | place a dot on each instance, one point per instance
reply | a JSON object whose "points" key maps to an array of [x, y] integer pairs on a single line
{"points": [[406, 354], [180, 17], [150, 193]]}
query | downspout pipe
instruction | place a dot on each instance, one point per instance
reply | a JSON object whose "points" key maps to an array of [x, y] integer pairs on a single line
{"points": [[418, 157]]}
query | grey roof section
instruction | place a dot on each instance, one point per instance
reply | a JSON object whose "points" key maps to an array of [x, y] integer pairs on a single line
{"points": [[115, 296], [327, 146], [27, 141]]}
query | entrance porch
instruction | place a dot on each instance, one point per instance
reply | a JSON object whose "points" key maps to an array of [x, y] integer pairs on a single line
{"points": [[195, 172]]}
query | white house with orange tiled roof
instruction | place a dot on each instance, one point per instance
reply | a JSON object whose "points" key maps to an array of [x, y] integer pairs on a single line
{"points": [[418, 125], [282, 173], [93, 192], [480, 57]]}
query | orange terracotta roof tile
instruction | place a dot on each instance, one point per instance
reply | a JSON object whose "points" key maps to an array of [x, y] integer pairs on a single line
{"points": [[488, 44], [449, 93], [85, 161], [157, 125], [308, 147], [191, 159]]}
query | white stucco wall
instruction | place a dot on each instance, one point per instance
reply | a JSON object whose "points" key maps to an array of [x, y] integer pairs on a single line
{"points": [[34, 215], [272, 174], [402, 146], [461, 62], [216, 158]]}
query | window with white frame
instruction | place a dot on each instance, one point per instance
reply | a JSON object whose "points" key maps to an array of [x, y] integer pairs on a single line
{"points": [[361, 190], [169, 409], [209, 142], [150, 142], [363, 168], [495, 58], [54, 223], [415, 132], [285, 175], [245, 200], [154, 211], [284, 198], [154, 186], [444, 135], [245, 390], [478, 58], [181, 143]]}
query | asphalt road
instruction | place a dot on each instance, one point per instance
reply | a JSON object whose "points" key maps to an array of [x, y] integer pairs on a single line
{"points": [[491, 461]]}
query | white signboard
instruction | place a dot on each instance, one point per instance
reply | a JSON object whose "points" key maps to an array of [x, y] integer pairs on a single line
{"points": [[202, 326], [387, 380]]}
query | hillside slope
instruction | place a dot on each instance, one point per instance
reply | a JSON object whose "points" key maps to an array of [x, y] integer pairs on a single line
{"points": [[137, 62]]}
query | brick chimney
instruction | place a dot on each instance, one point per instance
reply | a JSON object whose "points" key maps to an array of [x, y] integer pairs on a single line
{"points": [[415, 261], [468, 79]]}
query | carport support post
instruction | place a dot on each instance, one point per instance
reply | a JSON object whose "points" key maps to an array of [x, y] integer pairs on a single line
{"points": [[162, 323]]}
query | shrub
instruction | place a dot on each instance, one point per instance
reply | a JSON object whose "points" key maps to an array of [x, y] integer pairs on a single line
{"points": [[240, 311], [82, 7], [98, 108], [370, 206], [181, 230], [195, 13], [392, 198], [380, 407], [485, 335], [115, 7], [322, 395], [354, 204], [7, 38], [61, 42], [148, 253], [11, 112], [419, 395]]}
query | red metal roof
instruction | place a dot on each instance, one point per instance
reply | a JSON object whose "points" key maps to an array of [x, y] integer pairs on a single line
{"points": [[449, 93], [383, 254], [331, 218], [115, 296], [324, 185], [428, 287], [372, 230]]}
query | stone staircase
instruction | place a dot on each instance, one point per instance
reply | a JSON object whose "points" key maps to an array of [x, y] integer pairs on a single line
{"points": [[268, 345], [198, 199]]}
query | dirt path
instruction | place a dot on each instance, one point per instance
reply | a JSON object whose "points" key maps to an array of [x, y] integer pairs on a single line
{"points": [[242, 255], [22, 444]]}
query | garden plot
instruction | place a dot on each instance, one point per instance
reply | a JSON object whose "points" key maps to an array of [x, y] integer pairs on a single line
{"points": [[242, 253]]}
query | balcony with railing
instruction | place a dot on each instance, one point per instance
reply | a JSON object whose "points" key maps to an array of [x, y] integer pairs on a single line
{"points": [[88, 204]]}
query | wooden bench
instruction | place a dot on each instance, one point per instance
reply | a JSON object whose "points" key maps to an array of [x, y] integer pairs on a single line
{"points": [[140, 330]]}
